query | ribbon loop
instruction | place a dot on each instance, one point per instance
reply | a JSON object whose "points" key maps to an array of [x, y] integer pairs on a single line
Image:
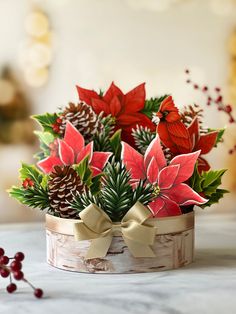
{"points": [[96, 225]]}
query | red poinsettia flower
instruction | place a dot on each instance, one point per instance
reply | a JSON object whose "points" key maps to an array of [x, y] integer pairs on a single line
{"points": [[169, 189], [180, 139], [72, 150], [203, 142], [125, 108]]}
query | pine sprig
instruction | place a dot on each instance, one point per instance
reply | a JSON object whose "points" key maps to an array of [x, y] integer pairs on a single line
{"points": [[116, 196], [102, 139], [35, 197], [142, 137], [152, 105]]}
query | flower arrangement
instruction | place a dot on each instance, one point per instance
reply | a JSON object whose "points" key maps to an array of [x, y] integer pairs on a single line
{"points": [[118, 164], [114, 149]]}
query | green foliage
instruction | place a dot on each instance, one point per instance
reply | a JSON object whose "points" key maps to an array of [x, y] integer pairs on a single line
{"points": [[207, 184], [36, 196], [220, 135], [116, 195], [115, 143], [152, 105], [102, 140], [84, 171], [142, 137], [46, 121]]}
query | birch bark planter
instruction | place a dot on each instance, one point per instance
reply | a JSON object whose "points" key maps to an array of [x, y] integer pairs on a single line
{"points": [[174, 247]]}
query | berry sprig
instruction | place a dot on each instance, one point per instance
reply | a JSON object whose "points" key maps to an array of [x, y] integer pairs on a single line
{"points": [[12, 267], [215, 99], [56, 125], [27, 183]]}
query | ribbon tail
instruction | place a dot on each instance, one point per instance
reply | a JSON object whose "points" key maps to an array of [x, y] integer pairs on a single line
{"points": [[139, 249], [99, 247]]}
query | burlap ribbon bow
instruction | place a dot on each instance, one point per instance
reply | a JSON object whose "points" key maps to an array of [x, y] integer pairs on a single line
{"points": [[96, 225]]}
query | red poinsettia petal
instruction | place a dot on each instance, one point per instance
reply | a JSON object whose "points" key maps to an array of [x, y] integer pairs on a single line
{"points": [[100, 106], [152, 171], [207, 142], [184, 195], [133, 161], [86, 151], [66, 153], [115, 106], [125, 120], [167, 176], [164, 207], [186, 163], [112, 91], [47, 164], [73, 138], [126, 136], [193, 131], [99, 160], [202, 165], [135, 99], [155, 150], [95, 171], [87, 95]]}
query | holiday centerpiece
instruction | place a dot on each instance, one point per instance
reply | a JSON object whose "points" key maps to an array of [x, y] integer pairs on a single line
{"points": [[118, 176]]}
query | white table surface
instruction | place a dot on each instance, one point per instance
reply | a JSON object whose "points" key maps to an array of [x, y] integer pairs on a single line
{"points": [[207, 286]]}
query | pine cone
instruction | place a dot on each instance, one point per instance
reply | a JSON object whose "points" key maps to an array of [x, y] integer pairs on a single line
{"points": [[83, 118], [63, 185]]}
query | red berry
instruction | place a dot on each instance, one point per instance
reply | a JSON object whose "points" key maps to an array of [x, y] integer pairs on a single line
{"points": [[209, 98], [188, 81], [55, 128], [31, 183], [217, 89], [15, 265], [11, 288], [25, 184], [59, 121], [4, 260], [231, 120], [218, 99], [205, 88], [187, 71], [2, 252], [195, 86], [19, 256], [228, 109], [4, 273], [231, 151], [38, 293], [18, 275]]}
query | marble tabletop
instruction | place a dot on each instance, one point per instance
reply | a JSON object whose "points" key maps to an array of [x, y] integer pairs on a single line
{"points": [[207, 286]]}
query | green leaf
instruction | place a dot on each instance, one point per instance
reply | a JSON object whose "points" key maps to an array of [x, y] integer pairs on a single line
{"points": [[45, 137], [115, 142], [220, 135], [46, 121], [152, 105], [84, 171], [212, 177], [30, 171], [96, 184]]}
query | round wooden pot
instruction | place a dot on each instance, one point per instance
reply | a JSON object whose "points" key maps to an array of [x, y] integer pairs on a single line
{"points": [[173, 246]]}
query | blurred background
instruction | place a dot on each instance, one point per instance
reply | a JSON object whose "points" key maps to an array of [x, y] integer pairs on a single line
{"points": [[47, 47]]}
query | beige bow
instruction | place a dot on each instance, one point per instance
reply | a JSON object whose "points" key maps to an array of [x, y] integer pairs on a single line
{"points": [[95, 225]]}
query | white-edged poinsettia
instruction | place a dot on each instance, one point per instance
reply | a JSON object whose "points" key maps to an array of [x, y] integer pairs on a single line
{"points": [[167, 180], [72, 150]]}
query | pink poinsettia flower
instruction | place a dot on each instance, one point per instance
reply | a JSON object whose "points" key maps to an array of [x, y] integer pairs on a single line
{"points": [[72, 150], [167, 180]]}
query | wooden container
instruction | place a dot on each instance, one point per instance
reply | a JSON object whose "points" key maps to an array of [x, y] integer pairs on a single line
{"points": [[173, 246]]}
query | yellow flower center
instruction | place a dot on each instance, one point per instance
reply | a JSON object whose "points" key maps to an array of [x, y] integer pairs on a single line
{"points": [[156, 190]]}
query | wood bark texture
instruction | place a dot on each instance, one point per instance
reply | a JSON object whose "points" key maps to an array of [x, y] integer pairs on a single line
{"points": [[172, 250]]}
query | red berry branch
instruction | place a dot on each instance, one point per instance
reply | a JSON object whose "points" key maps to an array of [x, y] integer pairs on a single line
{"points": [[215, 99], [12, 267]]}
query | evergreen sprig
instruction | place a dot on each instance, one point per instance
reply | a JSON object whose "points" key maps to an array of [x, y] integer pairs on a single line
{"points": [[102, 139], [116, 196], [142, 137], [152, 105]]}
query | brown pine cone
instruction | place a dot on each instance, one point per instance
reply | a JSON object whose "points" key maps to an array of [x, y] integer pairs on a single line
{"points": [[62, 186], [83, 119]]}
